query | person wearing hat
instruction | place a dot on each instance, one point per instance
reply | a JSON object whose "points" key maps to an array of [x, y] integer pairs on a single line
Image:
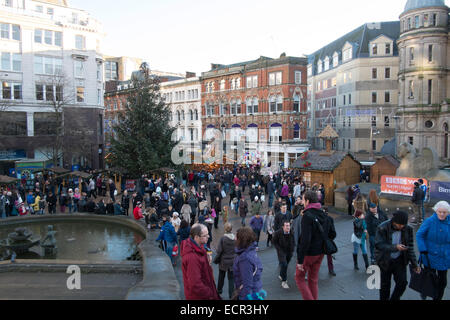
{"points": [[374, 218], [394, 250], [176, 221], [417, 198]]}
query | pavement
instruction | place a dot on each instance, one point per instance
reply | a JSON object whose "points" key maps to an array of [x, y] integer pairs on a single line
{"points": [[347, 285]]}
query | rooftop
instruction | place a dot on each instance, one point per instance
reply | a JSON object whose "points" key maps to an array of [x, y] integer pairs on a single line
{"points": [[321, 162]]}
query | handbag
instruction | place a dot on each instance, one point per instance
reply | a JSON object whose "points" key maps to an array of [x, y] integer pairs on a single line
{"points": [[426, 282], [329, 245]]}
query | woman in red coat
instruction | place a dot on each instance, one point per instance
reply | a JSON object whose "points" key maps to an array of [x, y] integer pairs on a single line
{"points": [[198, 278], [137, 212]]}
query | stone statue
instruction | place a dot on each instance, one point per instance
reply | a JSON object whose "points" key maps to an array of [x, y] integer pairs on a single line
{"points": [[424, 165], [49, 242]]}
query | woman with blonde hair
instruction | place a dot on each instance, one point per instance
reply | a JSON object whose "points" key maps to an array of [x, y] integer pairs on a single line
{"points": [[360, 204]]}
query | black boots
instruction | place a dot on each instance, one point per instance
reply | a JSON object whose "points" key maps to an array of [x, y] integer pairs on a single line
{"points": [[366, 261], [355, 261]]}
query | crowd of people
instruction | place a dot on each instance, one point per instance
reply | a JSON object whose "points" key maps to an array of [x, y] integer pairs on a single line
{"points": [[291, 213]]}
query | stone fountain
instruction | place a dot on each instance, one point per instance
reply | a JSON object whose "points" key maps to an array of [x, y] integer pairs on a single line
{"points": [[18, 243]]}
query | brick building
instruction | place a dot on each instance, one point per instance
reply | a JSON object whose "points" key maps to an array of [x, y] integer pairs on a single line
{"points": [[262, 102]]}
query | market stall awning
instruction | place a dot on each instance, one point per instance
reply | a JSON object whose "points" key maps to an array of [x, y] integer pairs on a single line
{"points": [[7, 180]]}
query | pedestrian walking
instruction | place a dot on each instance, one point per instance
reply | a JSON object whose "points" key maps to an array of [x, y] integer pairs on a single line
{"points": [[198, 278], [359, 238], [268, 226], [310, 249], [349, 198], [247, 267], [176, 221], [243, 210], [186, 213], [433, 241], [225, 255], [168, 237], [394, 249], [125, 202], [360, 203], [373, 219], [282, 216], [417, 199], [284, 243], [217, 206], [256, 223]]}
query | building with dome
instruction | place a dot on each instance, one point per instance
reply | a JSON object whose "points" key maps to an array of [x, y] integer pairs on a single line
{"points": [[424, 80]]}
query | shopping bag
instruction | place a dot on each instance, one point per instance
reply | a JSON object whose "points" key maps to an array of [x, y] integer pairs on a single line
{"points": [[175, 251], [426, 282], [224, 195]]}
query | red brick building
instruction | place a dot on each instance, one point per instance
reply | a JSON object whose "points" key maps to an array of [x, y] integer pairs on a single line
{"points": [[262, 101]]}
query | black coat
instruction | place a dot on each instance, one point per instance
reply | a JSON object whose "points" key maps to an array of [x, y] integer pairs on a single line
{"points": [[225, 253], [284, 243], [372, 222], [384, 247], [280, 219], [418, 195], [311, 241]]}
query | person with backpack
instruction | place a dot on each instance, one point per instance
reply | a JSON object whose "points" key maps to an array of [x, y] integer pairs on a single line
{"points": [[359, 238], [315, 230]]}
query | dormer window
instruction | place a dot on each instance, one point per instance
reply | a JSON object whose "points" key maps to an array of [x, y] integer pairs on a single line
{"points": [[388, 48], [347, 54], [335, 59], [319, 66], [374, 49], [327, 63]]}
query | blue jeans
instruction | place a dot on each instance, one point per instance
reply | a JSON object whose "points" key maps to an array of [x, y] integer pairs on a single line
{"points": [[169, 248], [356, 247], [236, 208], [70, 207], [243, 221], [271, 200], [227, 188]]}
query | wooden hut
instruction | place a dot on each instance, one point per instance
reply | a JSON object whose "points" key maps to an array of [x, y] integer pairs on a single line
{"points": [[332, 168], [386, 166]]}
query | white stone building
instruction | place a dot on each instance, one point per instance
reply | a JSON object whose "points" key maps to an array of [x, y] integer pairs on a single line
{"points": [[39, 42], [424, 78], [184, 98]]}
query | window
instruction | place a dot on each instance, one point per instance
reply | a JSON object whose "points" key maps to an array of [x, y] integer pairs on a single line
{"points": [[252, 82], [344, 100], [38, 36], [430, 90], [275, 78], [255, 81], [387, 73], [252, 106], [374, 97], [319, 66], [388, 48], [349, 145], [58, 39], [387, 97], [276, 134], [374, 73], [8, 3], [11, 91], [347, 54], [411, 140], [5, 30], [222, 85], [374, 145], [335, 59], [343, 144], [196, 115], [80, 94], [309, 71], [296, 107], [232, 84], [411, 89], [39, 92], [374, 49], [374, 122], [349, 122], [426, 20], [327, 63], [49, 93], [416, 22], [349, 99], [209, 109], [238, 83], [298, 77], [80, 42], [110, 71], [409, 24], [50, 11], [6, 61], [386, 121], [434, 20], [48, 37], [223, 108], [296, 131], [39, 9], [411, 55], [430, 53]]}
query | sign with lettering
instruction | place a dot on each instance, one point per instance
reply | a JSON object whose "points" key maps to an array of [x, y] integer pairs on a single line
{"points": [[399, 185], [12, 154], [440, 191], [130, 185]]}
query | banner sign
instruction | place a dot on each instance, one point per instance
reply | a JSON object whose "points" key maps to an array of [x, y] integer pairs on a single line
{"points": [[12, 154], [440, 191], [130, 185], [399, 185]]}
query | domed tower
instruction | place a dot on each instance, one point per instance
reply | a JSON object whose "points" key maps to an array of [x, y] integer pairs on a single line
{"points": [[424, 80]]}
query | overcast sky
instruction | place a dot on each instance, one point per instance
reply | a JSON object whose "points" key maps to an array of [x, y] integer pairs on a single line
{"points": [[182, 35]]}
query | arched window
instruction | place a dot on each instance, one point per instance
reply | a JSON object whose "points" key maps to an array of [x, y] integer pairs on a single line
{"points": [[252, 133], [238, 83], [273, 104], [233, 107], [182, 115], [276, 132], [178, 116], [252, 105], [222, 85], [191, 115], [196, 114], [223, 108]]}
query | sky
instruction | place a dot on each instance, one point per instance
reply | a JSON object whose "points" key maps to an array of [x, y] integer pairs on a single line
{"points": [[181, 35]]}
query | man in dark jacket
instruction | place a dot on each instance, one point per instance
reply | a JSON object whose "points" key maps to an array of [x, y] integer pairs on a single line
{"points": [[373, 219], [125, 202], [271, 192], [394, 249], [281, 217], [310, 249], [283, 240], [198, 277], [51, 201], [417, 199]]}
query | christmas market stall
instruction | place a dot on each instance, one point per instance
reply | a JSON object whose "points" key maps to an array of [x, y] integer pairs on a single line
{"points": [[386, 166]]}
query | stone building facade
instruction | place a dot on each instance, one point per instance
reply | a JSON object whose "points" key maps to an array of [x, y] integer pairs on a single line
{"points": [[352, 86], [424, 78], [50, 52], [261, 103]]}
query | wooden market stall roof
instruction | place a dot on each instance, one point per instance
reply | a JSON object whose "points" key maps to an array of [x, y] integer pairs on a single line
{"points": [[328, 132], [165, 170], [7, 180], [318, 161], [80, 174]]}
